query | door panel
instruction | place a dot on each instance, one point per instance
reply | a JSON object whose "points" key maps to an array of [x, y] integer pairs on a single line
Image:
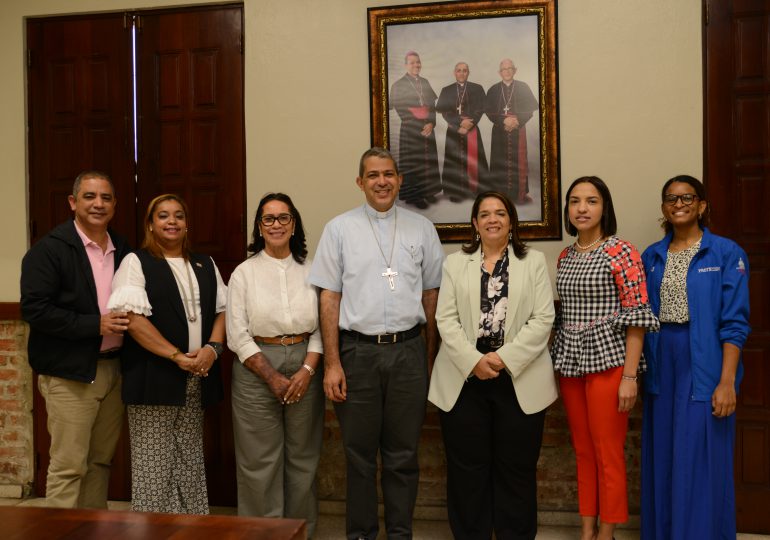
{"points": [[737, 165], [192, 143], [79, 78], [79, 106], [191, 126]]}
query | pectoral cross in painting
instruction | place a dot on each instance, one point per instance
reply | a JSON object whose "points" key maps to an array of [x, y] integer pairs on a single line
{"points": [[390, 274]]}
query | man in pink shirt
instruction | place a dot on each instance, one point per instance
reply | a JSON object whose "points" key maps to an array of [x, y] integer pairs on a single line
{"points": [[74, 343]]}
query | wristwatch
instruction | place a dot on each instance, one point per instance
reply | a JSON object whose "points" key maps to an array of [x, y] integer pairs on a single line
{"points": [[217, 346]]}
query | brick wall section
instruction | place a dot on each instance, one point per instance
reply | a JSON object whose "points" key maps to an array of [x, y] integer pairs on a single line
{"points": [[557, 489], [16, 450]]}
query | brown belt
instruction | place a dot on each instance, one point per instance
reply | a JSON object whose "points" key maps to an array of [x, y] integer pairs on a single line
{"points": [[290, 339]]}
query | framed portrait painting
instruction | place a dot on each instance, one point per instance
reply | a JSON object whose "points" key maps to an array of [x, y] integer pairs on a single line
{"points": [[464, 95]]}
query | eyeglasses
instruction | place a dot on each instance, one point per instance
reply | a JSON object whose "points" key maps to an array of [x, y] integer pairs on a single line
{"points": [[268, 219], [687, 199]]}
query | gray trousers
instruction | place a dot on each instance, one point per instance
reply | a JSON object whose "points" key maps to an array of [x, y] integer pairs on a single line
{"points": [[384, 410], [277, 447]]}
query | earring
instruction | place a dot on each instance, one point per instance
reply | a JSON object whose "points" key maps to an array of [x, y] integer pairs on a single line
{"points": [[477, 237], [510, 236], [150, 228]]}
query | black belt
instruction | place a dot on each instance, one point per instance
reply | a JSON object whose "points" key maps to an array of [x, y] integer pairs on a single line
{"points": [[110, 353], [384, 339]]}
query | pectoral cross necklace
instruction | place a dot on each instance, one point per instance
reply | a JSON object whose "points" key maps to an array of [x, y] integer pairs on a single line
{"points": [[460, 98], [388, 274], [506, 102]]}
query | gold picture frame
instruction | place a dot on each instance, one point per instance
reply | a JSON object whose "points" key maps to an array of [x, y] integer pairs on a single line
{"points": [[482, 35]]}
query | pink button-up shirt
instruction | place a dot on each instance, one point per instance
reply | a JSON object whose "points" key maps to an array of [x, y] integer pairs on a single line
{"points": [[103, 267]]}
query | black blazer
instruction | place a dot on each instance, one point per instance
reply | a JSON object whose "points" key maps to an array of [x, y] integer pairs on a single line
{"points": [[155, 380], [58, 300]]}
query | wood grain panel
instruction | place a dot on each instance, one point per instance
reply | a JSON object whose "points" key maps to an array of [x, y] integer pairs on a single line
{"points": [[751, 127], [750, 47], [755, 443]]}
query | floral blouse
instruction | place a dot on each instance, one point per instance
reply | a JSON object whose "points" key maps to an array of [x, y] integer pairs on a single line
{"points": [[674, 306], [602, 292], [494, 302]]}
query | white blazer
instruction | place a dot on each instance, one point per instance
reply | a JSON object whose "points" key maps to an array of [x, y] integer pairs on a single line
{"points": [[528, 324]]}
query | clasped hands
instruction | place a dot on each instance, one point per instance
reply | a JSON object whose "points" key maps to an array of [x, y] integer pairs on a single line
{"points": [[489, 366], [510, 123], [197, 362], [289, 390]]}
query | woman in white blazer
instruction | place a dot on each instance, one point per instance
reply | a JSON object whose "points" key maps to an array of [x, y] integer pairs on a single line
{"points": [[493, 377]]}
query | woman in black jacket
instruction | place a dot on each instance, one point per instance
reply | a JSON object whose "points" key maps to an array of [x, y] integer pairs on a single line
{"points": [[175, 301]]}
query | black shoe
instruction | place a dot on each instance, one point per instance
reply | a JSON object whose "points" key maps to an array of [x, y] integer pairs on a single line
{"points": [[421, 204], [455, 198], [431, 199]]}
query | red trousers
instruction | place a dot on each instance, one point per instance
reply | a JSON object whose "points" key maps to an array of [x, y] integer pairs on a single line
{"points": [[598, 436]]}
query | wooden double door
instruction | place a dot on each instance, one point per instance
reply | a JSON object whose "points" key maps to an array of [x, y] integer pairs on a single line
{"points": [[172, 121], [737, 165]]}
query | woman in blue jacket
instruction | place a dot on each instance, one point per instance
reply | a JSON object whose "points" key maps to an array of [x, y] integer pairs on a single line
{"points": [[698, 287]]}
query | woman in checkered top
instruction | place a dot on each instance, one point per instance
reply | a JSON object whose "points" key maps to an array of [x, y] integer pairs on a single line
{"points": [[598, 350]]}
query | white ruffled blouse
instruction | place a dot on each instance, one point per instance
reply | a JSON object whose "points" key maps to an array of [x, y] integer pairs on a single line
{"points": [[129, 294]]}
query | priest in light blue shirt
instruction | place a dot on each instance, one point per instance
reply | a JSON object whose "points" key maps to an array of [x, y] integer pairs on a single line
{"points": [[379, 268]]}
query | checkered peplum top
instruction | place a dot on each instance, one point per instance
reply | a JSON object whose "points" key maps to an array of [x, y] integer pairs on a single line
{"points": [[602, 292]]}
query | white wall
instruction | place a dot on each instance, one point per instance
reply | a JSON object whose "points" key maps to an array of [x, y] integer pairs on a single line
{"points": [[630, 90]]}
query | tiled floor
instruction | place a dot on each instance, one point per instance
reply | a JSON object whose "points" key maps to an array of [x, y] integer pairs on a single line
{"points": [[331, 526]]}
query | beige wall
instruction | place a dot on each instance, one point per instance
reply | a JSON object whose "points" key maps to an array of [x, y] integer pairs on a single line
{"points": [[630, 105]]}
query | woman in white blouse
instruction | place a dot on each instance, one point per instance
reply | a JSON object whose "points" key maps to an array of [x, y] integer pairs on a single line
{"points": [[277, 397], [175, 301]]}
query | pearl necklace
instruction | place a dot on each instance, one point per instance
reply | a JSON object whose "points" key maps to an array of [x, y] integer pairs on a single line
{"points": [[592, 244]]}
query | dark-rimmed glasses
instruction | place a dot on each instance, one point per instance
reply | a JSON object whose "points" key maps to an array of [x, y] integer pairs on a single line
{"points": [[268, 219], [687, 199]]}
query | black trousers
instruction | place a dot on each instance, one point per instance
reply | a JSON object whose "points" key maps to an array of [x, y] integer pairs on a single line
{"points": [[492, 449], [384, 410]]}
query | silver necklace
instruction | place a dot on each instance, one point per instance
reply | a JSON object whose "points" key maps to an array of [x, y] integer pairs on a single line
{"points": [[191, 316], [389, 274], [592, 244]]}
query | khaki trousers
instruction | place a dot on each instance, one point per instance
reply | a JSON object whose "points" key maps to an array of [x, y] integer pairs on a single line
{"points": [[84, 421]]}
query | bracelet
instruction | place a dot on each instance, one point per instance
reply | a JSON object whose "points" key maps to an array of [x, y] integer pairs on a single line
{"points": [[173, 354], [210, 346], [311, 370], [627, 378]]}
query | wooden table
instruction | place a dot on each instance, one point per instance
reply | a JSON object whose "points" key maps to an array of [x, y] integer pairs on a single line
{"points": [[31, 523]]}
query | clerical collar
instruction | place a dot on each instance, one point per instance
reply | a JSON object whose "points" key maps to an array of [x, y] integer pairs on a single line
{"points": [[508, 84], [461, 84], [380, 215]]}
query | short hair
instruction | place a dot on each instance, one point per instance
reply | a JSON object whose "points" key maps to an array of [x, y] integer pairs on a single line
{"points": [[519, 247], [90, 174], [700, 191], [149, 243], [375, 151], [513, 64], [297, 243], [463, 63], [410, 53], [609, 225]]}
